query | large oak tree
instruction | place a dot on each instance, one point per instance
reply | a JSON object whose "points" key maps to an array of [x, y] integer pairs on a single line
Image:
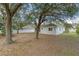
{"points": [[40, 11], [10, 10]]}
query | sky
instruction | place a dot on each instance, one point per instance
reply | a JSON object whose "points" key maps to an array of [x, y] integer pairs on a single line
{"points": [[74, 19]]}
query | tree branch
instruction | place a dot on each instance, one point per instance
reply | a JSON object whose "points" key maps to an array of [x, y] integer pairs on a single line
{"points": [[6, 6], [15, 9]]}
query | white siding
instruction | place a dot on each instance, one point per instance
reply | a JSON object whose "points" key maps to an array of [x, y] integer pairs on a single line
{"points": [[55, 30]]}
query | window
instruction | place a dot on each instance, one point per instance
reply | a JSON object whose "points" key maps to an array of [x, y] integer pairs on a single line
{"points": [[50, 29]]}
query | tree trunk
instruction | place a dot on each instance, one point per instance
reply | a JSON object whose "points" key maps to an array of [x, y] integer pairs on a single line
{"points": [[17, 31], [37, 32], [8, 30], [38, 26]]}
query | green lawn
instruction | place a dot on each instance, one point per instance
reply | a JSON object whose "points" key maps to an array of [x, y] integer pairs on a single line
{"points": [[71, 34]]}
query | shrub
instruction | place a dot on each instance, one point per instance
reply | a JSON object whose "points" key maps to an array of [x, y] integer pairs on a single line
{"points": [[2, 29], [77, 30]]}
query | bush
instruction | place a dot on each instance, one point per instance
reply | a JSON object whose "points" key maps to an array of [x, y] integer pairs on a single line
{"points": [[2, 29], [77, 30]]}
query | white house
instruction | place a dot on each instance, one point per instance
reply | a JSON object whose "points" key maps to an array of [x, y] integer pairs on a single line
{"points": [[54, 29]]}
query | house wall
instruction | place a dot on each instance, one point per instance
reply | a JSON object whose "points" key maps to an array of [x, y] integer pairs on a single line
{"points": [[55, 30]]}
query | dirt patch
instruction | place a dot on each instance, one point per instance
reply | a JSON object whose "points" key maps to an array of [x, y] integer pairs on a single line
{"points": [[47, 45]]}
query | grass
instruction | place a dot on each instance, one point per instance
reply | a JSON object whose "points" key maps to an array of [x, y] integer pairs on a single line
{"points": [[69, 52], [70, 34], [66, 44]]}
